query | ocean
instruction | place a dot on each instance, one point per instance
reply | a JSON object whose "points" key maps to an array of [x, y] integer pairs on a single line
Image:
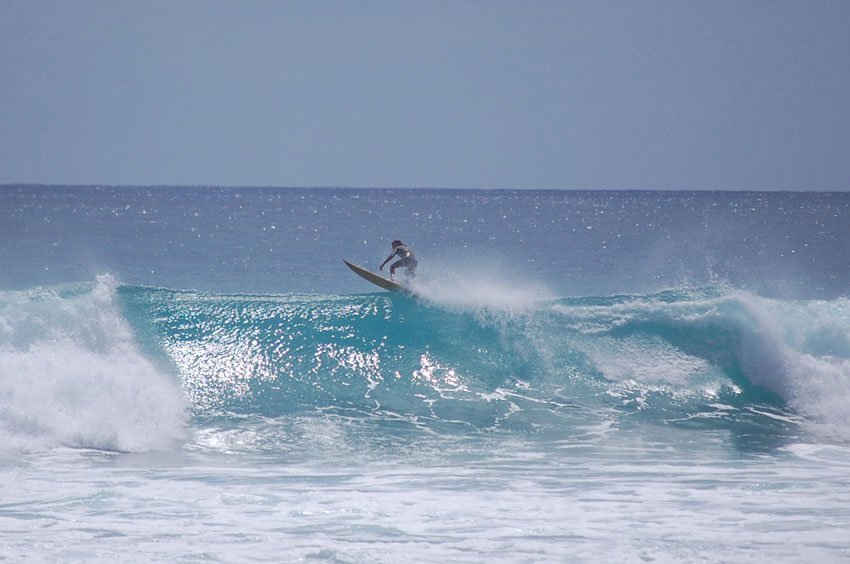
{"points": [[192, 374]]}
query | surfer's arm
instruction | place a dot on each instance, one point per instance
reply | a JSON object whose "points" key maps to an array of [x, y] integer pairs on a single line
{"points": [[386, 261]]}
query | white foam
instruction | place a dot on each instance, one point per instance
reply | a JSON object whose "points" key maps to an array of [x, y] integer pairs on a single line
{"points": [[71, 375], [645, 360], [799, 350], [481, 286]]}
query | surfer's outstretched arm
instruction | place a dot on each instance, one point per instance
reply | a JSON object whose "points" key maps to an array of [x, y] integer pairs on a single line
{"points": [[388, 259]]}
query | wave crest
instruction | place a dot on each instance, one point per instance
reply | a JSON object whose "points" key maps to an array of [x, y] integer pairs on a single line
{"points": [[72, 375]]}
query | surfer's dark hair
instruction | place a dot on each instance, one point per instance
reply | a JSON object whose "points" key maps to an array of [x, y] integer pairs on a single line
{"points": [[397, 243]]}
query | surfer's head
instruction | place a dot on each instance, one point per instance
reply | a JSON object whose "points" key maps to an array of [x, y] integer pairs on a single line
{"points": [[397, 243]]}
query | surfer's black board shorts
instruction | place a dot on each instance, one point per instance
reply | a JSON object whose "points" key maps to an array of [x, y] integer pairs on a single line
{"points": [[406, 262]]}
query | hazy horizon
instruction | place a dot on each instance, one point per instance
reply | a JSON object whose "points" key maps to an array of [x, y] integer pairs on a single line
{"points": [[413, 188]]}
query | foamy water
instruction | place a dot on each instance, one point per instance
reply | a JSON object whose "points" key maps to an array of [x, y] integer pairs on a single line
{"points": [[73, 376]]}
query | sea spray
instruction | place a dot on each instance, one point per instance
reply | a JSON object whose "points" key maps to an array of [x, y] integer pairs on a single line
{"points": [[478, 284], [71, 375], [801, 350]]}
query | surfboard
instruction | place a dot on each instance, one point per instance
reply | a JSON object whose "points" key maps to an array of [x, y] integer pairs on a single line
{"points": [[376, 279]]}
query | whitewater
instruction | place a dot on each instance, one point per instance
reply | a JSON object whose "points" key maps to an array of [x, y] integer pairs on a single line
{"points": [[193, 374]]}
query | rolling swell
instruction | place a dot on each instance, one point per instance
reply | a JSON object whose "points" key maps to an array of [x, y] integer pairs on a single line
{"points": [[708, 357]]}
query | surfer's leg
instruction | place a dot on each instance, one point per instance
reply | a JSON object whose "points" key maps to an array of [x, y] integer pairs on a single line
{"points": [[406, 262]]}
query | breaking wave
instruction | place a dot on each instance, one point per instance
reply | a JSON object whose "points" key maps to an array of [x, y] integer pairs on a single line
{"points": [[127, 368]]}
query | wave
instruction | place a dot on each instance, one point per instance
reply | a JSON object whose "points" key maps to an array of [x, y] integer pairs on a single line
{"points": [[71, 375], [797, 351], [119, 367], [510, 361]]}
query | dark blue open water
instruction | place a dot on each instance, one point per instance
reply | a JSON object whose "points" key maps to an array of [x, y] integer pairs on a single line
{"points": [[193, 374]]}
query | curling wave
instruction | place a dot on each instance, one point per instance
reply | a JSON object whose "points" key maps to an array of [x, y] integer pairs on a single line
{"points": [[707, 353], [116, 367]]}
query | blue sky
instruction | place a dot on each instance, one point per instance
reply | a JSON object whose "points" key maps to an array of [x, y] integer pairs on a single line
{"points": [[479, 94]]}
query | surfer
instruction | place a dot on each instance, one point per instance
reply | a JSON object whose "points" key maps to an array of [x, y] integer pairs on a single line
{"points": [[408, 259]]}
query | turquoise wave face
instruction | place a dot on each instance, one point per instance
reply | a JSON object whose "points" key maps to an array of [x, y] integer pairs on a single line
{"points": [[709, 357], [117, 367], [280, 355]]}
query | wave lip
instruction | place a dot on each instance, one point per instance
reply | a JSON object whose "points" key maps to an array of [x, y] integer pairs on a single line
{"points": [[72, 375]]}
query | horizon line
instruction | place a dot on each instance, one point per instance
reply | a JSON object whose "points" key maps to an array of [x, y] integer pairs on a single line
{"points": [[409, 188]]}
